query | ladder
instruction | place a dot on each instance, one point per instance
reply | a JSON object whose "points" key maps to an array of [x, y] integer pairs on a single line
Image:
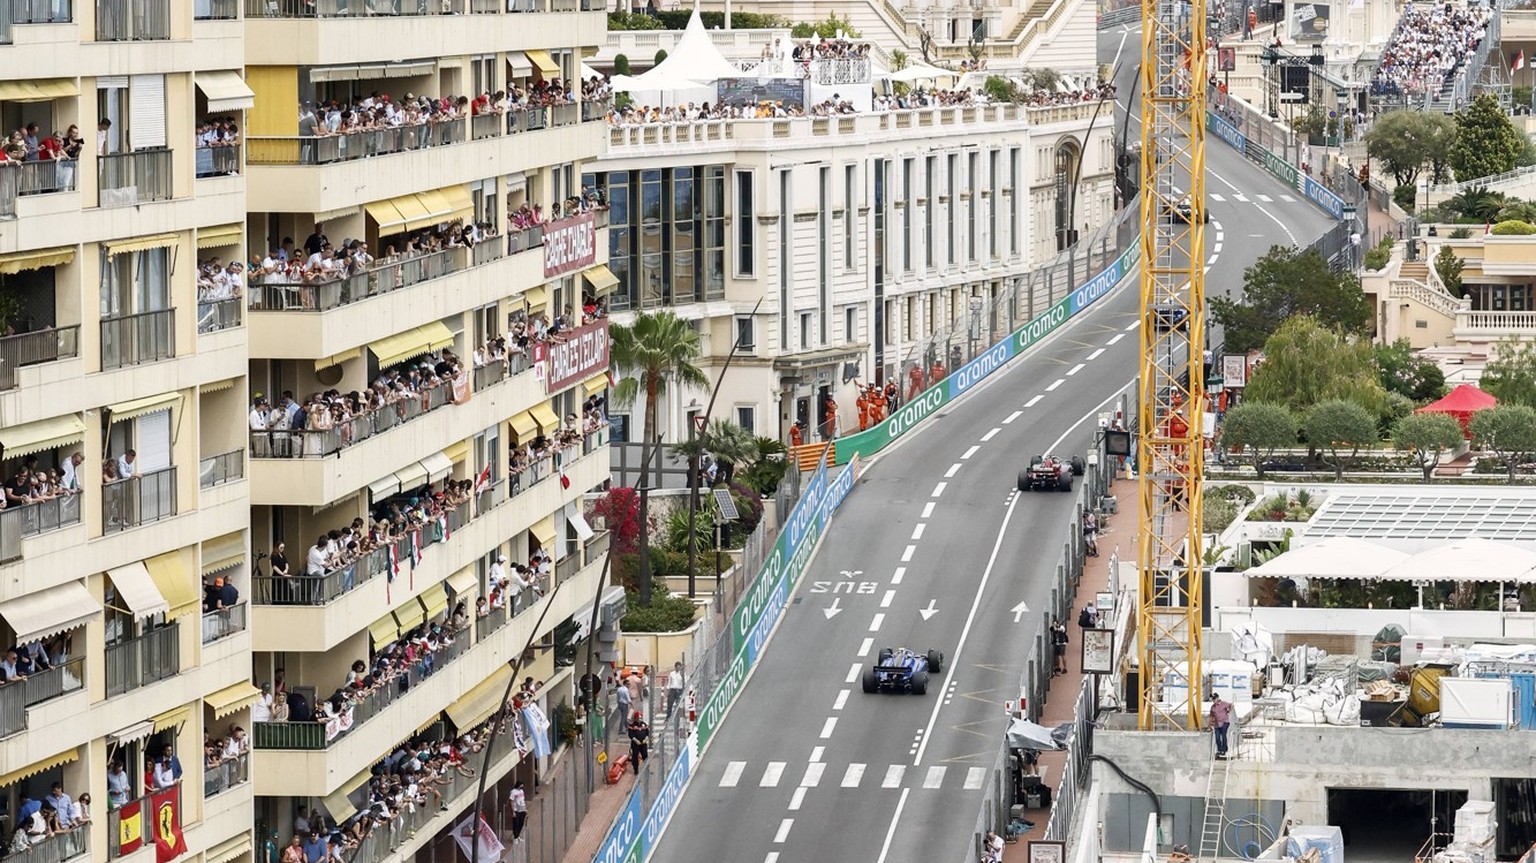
{"points": [[1215, 811]]}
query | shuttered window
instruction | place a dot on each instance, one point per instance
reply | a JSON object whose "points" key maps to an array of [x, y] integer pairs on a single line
{"points": [[146, 111]]}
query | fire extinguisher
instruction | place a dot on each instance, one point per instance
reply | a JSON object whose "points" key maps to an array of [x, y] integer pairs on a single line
{"points": [[693, 712]]}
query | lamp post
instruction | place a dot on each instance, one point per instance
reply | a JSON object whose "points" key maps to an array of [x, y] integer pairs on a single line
{"points": [[1354, 235], [1270, 57]]}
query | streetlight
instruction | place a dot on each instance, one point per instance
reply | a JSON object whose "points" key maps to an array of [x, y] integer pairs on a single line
{"points": [[1354, 235], [1270, 57]]}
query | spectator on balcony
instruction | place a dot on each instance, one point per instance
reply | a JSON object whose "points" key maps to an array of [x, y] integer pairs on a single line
{"points": [[261, 708], [280, 709], [171, 762], [319, 557], [62, 803], [294, 853], [69, 480], [316, 241], [15, 149], [10, 667], [119, 786], [104, 143], [128, 465], [82, 811], [73, 143]]}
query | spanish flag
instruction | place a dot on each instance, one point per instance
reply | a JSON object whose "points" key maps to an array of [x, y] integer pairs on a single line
{"points": [[130, 827], [169, 843]]}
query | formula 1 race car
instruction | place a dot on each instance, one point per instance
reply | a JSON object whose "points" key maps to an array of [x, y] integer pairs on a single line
{"points": [[1050, 472], [898, 669]]}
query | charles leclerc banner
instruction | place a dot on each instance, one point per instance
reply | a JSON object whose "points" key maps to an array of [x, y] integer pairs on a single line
{"points": [[570, 245]]}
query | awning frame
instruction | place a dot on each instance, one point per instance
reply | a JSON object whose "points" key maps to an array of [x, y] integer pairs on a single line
{"points": [[72, 606], [138, 590]]}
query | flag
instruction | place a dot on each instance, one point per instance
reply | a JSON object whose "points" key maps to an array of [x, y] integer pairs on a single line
{"points": [[415, 548], [130, 827], [483, 480], [1519, 62], [538, 730], [490, 846], [169, 843]]}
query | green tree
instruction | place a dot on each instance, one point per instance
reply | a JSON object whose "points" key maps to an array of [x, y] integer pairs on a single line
{"points": [[1448, 267], [621, 64], [1476, 202], [1406, 142], [660, 57], [1403, 371], [1306, 363], [1510, 376], [1428, 437], [1513, 228], [1259, 429], [768, 466], [1517, 211], [1487, 141], [1507, 431], [1339, 428], [1287, 282], [658, 350], [829, 28], [1044, 78], [729, 444]]}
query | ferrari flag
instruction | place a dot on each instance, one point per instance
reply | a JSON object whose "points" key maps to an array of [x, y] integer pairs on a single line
{"points": [[169, 843]]}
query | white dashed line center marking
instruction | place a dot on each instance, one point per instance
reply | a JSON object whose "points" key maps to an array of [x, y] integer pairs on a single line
{"points": [[1011, 417], [970, 452], [1054, 384], [990, 435], [1034, 401]]}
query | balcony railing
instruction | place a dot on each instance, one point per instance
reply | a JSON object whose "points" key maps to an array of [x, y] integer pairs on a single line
{"points": [[144, 499], [149, 658], [224, 160], [489, 374], [350, 8], [319, 443], [132, 20], [221, 468], [34, 178], [133, 178], [525, 239], [143, 338], [30, 349], [282, 296], [18, 522], [223, 622], [227, 774], [140, 809], [490, 497], [57, 848], [596, 548], [320, 735], [14, 12], [215, 315], [41, 686], [351, 146]]}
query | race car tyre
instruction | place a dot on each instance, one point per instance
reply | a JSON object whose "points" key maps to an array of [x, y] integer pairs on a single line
{"points": [[1023, 480], [920, 683], [884, 656], [935, 661], [1078, 465], [1064, 482], [871, 680], [1034, 460]]}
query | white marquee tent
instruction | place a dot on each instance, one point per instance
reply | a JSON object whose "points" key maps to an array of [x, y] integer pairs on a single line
{"points": [[1335, 557]]}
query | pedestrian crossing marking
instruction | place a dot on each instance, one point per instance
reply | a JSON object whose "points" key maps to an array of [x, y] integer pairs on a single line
{"points": [[813, 774], [1217, 198], [1288, 199], [853, 776], [974, 777], [772, 774], [1266, 199], [935, 777], [1239, 197], [733, 773], [893, 776]]}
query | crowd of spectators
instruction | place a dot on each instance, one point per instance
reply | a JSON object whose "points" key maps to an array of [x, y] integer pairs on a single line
{"points": [[32, 483], [218, 147], [382, 111], [217, 281], [229, 749], [38, 820], [1428, 46]]}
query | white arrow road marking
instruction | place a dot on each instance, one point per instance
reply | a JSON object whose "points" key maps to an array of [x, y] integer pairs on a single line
{"points": [[732, 774], [1018, 612], [930, 611], [835, 610]]}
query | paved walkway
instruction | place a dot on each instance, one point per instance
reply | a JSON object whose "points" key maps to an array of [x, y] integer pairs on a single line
{"points": [[606, 803]]}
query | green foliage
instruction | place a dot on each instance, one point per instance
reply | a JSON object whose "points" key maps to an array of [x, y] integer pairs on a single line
{"points": [[1044, 78], [631, 21], [1476, 202], [899, 60], [1340, 428], [1514, 229], [1379, 255], [1508, 431], [825, 29], [1510, 376], [667, 612], [749, 509], [675, 531], [1217, 513], [1517, 211], [677, 19], [1000, 89], [1448, 267], [563, 719], [1283, 507], [620, 62], [661, 55], [1461, 233], [1427, 436], [1486, 142], [1241, 495], [1406, 196], [1520, 95], [1406, 142], [1393, 409], [767, 468], [1403, 371], [1286, 282], [1305, 364], [1259, 429]]}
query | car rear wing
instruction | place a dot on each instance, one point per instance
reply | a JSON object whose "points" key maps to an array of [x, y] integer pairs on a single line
{"points": [[891, 669]]}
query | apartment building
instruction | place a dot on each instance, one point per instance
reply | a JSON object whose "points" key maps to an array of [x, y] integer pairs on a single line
{"points": [[865, 238], [127, 330]]}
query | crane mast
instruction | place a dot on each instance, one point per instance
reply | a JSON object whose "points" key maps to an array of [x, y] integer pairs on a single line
{"points": [[1170, 441]]}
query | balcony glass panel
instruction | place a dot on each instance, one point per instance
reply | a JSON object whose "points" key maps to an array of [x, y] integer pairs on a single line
{"points": [[223, 622], [132, 502], [128, 179], [40, 686], [222, 468], [145, 659]]}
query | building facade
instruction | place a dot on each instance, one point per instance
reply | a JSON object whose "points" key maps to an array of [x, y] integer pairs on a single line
{"points": [[148, 369]]}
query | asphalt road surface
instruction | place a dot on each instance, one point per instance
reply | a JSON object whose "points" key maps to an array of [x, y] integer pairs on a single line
{"points": [[934, 548]]}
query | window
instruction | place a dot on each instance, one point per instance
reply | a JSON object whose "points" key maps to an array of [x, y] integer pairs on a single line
{"points": [[653, 285], [786, 217], [620, 238], [850, 215], [1013, 201], [746, 332], [908, 316], [932, 201], [972, 160], [746, 225], [805, 330], [135, 283], [746, 417], [824, 259], [850, 324], [952, 185], [681, 280], [714, 232], [906, 215], [992, 208]]}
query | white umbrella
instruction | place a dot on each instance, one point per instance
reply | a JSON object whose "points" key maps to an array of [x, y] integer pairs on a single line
{"points": [[1470, 559], [653, 82], [1334, 557], [920, 72]]}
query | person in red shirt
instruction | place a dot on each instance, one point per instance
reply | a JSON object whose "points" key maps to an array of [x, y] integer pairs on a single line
{"points": [[52, 147], [863, 404], [915, 381], [795, 438], [936, 373]]}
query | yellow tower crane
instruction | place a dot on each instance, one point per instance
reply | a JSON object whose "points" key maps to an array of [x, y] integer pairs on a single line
{"points": [[1169, 452]]}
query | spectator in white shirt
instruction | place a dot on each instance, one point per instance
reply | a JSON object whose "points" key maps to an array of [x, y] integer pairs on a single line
{"points": [[316, 560], [67, 477], [128, 465]]}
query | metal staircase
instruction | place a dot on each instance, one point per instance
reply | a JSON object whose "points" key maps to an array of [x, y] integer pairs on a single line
{"points": [[1215, 811]]}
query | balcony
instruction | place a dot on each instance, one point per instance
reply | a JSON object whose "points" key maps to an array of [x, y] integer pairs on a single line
{"points": [[223, 623], [221, 468], [216, 315], [218, 161], [1490, 326], [215, 10], [19, 522], [133, 339], [130, 179], [324, 296], [141, 809], [146, 659], [132, 20], [56, 848], [321, 443], [16, 697], [227, 774], [34, 178], [30, 349], [147, 498], [13, 12]]}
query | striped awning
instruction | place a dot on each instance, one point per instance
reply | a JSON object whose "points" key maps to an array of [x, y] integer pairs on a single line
{"points": [[138, 590], [224, 552], [41, 613], [543, 530], [229, 849], [232, 698], [140, 244], [595, 384], [474, 706], [218, 386], [220, 235], [29, 438], [16, 262], [434, 601], [602, 280], [545, 416], [38, 89], [142, 407], [524, 424], [383, 631], [179, 587], [37, 767], [171, 718]]}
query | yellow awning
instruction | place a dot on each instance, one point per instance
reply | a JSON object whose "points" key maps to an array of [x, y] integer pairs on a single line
{"points": [[179, 587], [461, 205], [438, 466], [416, 212], [525, 426], [383, 487], [409, 615], [232, 698], [218, 386], [147, 405], [50, 611], [29, 438], [595, 384], [536, 298], [140, 244], [543, 530], [458, 452], [226, 91], [229, 849], [602, 279], [137, 589], [396, 349], [436, 204], [474, 706], [38, 90], [37, 767], [339, 804], [170, 718], [223, 552], [434, 601], [383, 631], [338, 359], [387, 215], [464, 582], [221, 235], [412, 476], [545, 416], [17, 262], [543, 62]]}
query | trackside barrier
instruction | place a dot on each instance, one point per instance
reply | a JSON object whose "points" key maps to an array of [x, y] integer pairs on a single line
{"points": [[636, 832], [870, 441]]}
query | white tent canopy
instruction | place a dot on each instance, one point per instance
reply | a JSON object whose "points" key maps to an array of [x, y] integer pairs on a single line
{"points": [[1335, 557], [588, 73], [651, 82], [1471, 559], [920, 72], [693, 58]]}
